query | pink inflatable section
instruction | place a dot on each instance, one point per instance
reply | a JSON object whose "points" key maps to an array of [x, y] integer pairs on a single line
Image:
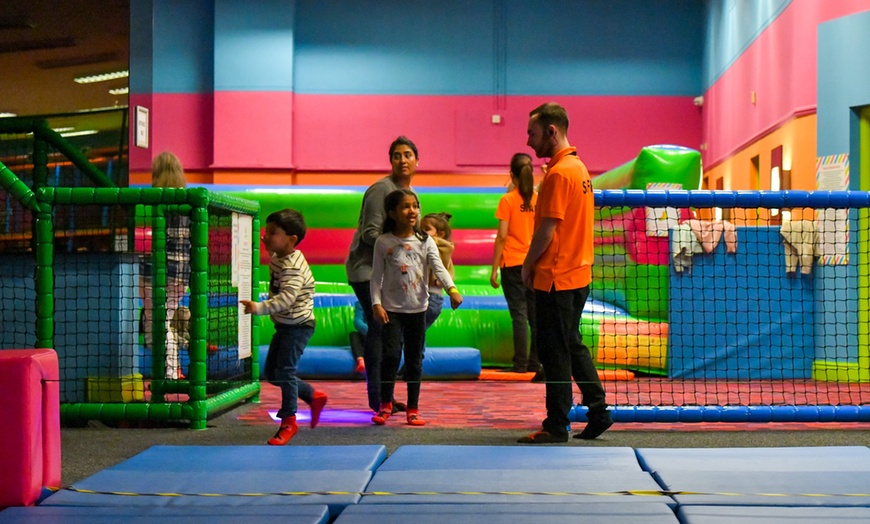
{"points": [[30, 410]]}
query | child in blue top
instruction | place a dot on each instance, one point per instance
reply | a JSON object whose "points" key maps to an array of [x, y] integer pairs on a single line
{"points": [[400, 297], [291, 306]]}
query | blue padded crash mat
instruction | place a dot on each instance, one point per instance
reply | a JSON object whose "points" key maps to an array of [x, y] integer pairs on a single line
{"points": [[300, 514], [267, 486], [509, 513], [458, 486], [768, 488], [235, 459], [833, 458], [770, 515], [511, 457]]}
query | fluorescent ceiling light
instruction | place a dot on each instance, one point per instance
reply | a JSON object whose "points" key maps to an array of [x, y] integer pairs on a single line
{"points": [[80, 133], [119, 91], [62, 129], [101, 78], [6, 115]]}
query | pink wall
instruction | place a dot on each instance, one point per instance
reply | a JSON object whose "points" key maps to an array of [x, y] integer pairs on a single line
{"points": [[180, 123], [455, 134], [780, 67]]}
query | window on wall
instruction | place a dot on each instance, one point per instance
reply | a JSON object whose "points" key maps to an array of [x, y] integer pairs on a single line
{"points": [[755, 173]]}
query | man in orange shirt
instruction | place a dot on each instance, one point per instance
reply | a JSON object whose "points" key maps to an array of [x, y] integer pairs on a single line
{"points": [[559, 268]]}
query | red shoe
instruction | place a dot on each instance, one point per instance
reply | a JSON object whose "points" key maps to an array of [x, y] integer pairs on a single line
{"points": [[360, 366], [317, 404], [414, 418], [381, 418], [287, 431]]}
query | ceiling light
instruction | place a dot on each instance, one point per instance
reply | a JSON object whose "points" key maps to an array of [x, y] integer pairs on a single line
{"points": [[101, 78], [6, 115], [80, 133], [119, 91], [62, 129]]}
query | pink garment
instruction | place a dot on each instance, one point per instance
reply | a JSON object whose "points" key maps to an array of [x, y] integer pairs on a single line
{"points": [[709, 232]]}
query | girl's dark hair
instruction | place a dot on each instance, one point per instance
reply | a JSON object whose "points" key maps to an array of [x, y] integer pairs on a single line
{"points": [[521, 169], [441, 221], [391, 202], [291, 221]]}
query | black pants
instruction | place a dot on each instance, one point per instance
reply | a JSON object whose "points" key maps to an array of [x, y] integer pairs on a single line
{"points": [[373, 349], [406, 330], [521, 305], [564, 355]]}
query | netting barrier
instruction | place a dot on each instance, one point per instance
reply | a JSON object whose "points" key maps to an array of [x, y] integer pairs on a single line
{"points": [[732, 305], [73, 280]]}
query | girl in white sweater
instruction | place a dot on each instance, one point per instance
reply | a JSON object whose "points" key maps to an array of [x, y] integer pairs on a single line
{"points": [[400, 297]]}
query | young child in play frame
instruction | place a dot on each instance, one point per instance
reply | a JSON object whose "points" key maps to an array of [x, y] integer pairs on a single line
{"points": [[291, 307]]}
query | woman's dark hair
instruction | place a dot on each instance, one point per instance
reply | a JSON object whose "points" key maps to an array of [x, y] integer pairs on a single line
{"points": [[403, 141], [521, 169], [442, 223], [391, 202], [291, 221]]}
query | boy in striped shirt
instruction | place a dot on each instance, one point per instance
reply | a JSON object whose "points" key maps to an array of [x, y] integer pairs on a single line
{"points": [[291, 307]]}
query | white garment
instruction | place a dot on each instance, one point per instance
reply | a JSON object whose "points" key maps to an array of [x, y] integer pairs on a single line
{"points": [[801, 242], [684, 244]]}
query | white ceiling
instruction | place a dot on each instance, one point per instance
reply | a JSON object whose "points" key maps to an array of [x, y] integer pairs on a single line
{"points": [[44, 44]]}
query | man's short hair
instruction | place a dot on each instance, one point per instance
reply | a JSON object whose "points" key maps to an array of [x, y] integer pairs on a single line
{"points": [[553, 114]]}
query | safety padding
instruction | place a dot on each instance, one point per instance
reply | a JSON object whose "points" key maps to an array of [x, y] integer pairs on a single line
{"points": [[277, 514], [30, 410], [334, 362], [474, 512], [798, 476], [768, 515]]}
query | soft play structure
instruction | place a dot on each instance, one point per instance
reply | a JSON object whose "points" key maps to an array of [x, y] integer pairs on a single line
{"points": [[625, 325]]}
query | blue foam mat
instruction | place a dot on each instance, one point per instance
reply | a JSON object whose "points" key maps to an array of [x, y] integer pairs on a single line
{"points": [[237, 459], [594, 513], [770, 515], [768, 488], [267, 486], [460, 486], [309, 514], [829, 458], [511, 457]]}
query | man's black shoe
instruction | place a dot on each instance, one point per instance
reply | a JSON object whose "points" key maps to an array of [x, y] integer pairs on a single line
{"points": [[595, 427], [399, 406]]}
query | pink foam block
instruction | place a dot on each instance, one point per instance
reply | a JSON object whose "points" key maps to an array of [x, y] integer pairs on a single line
{"points": [[30, 411]]}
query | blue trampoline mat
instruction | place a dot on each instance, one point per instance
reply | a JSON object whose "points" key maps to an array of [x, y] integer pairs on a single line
{"points": [[511, 457], [309, 514], [595, 513], [238, 459], [834, 458], [770, 515], [462, 486]]}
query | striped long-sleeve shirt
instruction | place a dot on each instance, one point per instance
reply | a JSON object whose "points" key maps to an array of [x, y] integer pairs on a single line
{"points": [[291, 290]]}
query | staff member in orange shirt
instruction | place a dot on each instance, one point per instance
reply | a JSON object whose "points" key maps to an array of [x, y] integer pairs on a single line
{"points": [[559, 268], [516, 223]]}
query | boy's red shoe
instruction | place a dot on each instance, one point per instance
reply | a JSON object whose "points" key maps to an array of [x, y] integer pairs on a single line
{"points": [[317, 404], [360, 366], [381, 418], [414, 418], [287, 431]]}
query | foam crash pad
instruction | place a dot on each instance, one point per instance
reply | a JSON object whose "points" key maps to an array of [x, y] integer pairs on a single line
{"points": [[30, 410], [336, 362]]}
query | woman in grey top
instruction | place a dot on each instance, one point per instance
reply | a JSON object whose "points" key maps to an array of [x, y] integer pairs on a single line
{"points": [[403, 158]]}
